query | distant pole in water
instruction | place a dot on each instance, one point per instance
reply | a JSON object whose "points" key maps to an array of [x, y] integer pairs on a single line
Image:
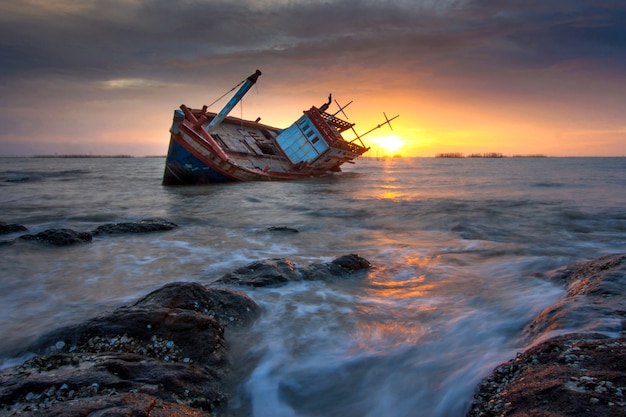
{"points": [[250, 81]]}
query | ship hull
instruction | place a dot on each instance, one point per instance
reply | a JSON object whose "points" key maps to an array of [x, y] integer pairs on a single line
{"points": [[184, 168], [195, 158], [209, 148]]}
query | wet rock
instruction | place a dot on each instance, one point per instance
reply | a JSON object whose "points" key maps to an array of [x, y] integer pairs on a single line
{"points": [[582, 373], [11, 228], [342, 266], [142, 226], [568, 376], [604, 276], [279, 271], [594, 300], [167, 349], [228, 307], [125, 405], [65, 237], [351, 263], [262, 273], [59, 237], [282, 229], [103, 385]]}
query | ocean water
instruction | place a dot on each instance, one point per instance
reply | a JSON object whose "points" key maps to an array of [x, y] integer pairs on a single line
{"points": [[459, 247]]}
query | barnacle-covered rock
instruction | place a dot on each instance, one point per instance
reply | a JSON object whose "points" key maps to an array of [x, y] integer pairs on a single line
{"points": [[228, 307], [167, 349], [572, 374], [567, 376], [596, 291]]}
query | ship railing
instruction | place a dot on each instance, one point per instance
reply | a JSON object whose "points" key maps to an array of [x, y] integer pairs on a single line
{"points": [[333, 136]]}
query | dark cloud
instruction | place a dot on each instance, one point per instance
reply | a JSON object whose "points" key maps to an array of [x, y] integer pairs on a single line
{"points": [[591, 32], [107, 55], [162, 38]]}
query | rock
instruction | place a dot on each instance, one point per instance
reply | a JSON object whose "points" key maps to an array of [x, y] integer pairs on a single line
{"points": [[143, 226], [352, 263], [593, 302], [282, 229], [65, 237], [228, 307], [280, 271], [11, 228], [59, 237], [604, 276], [115, 385], [163, 355], [572, 375], [342, 266], [262, 273]]}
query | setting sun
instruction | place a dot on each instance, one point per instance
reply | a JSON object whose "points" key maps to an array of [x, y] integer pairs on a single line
{"points": [[389, 143]]}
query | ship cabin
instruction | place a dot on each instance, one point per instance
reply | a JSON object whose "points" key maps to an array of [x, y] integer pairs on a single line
{"points": [[314, 142]]}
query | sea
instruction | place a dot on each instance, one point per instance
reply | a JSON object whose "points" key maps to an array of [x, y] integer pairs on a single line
{"points": [[460, 249]]}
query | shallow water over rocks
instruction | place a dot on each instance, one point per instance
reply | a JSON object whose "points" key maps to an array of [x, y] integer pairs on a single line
{"points": [[460, 252]]}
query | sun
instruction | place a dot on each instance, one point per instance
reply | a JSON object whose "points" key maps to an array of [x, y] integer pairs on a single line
{"points": [[390, 143]]}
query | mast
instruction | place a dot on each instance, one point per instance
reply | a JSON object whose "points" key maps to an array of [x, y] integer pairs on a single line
{"points": [[250, 81], [388, 122]]}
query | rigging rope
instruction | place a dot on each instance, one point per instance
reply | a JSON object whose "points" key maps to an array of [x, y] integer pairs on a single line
{"points": [[226, 93], [241, 113]]}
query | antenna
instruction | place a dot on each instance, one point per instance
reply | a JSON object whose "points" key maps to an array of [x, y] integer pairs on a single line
{"points": [[341, 109], [387, 122]]}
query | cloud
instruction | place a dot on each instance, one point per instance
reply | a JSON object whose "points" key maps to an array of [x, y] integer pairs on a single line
{"points": [[70, 54], [91, 38], [125, 83]]}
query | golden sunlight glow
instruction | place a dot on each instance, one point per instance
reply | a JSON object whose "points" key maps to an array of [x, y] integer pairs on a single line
{"points": [[389, 143], [376, 336], [390, 195]]}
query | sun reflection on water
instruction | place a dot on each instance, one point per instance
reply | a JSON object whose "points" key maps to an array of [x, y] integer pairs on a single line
{"points": [[390, 195], [407, 289], [379, 337], [396, 305]]}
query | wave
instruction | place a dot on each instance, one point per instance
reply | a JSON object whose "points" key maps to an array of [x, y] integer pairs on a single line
{"points": [[36, 176]]}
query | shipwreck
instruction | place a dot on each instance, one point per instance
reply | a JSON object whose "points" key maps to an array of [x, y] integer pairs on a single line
{"points": [[208, 147]]}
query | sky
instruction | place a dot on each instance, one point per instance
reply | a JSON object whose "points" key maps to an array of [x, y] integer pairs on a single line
{"points": [[468, 76]]}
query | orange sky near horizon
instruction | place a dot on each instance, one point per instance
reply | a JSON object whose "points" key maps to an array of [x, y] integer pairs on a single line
{"points": [[467, 77], [109, 122]]}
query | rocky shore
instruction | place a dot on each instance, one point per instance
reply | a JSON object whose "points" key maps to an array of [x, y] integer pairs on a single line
{"points": [[164, 355], [573, 374], [64, 237], [167, 354]]}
